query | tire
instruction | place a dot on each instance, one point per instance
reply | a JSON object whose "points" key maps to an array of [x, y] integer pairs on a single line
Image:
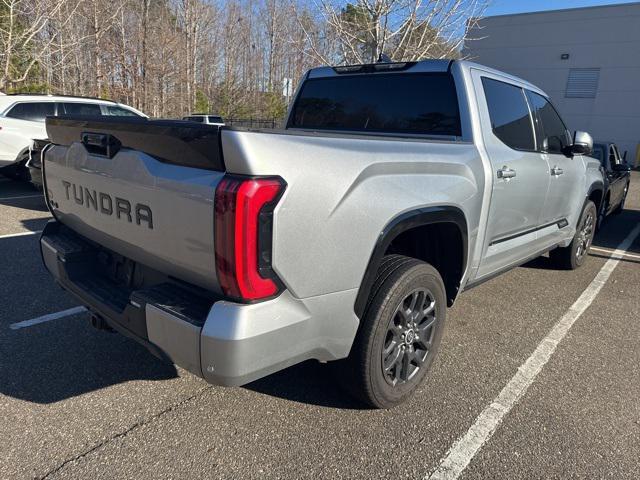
{"points": [[406, 342], [17, 171], [574, 255], [618, 210]]}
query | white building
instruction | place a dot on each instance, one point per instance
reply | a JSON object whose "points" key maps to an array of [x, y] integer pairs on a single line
{"points": [[586, 59]]}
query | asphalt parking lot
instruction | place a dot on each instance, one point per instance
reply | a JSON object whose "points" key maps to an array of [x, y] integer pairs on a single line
{"points": [[82, 403]]}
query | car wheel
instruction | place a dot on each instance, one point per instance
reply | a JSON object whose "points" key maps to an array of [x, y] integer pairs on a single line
{"points": [[574, 255], [620, 206], [399, 334]]}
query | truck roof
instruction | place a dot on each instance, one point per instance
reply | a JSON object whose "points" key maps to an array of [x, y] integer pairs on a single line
{"points": [[422, 66]]}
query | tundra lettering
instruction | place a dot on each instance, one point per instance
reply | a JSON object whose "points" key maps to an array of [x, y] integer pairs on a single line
{"points": [[106, 205], [343, 237], [90, 198]]}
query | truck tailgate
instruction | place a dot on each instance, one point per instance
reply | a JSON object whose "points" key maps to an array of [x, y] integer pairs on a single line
{"points": [[156, 211]]}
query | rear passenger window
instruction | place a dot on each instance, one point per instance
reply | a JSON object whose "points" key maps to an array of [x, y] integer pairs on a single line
{"points": [[75, 108], [115, 111], [33, 111], [509, 113], [553, 134]]}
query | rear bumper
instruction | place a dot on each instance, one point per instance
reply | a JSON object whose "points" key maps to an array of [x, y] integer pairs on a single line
{"points": [[224, 342]]}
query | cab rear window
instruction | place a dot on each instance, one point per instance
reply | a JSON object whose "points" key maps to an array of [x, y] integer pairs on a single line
{"points": [[424, 104]]}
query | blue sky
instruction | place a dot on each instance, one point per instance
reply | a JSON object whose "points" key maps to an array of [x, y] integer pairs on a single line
{"points": [[502, 7]]}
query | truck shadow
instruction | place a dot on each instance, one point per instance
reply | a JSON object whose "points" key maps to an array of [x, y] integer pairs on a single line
{"points": [[309, 382], [65, 358]]}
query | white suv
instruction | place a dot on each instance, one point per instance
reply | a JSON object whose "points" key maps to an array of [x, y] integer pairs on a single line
{"points": [[22, 119]]}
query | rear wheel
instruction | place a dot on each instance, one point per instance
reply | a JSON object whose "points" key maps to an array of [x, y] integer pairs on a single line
{"points": [[399, 335], [574, 255]]}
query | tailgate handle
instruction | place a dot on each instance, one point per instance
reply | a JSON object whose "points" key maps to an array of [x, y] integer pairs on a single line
{"points": [[103, 144]]}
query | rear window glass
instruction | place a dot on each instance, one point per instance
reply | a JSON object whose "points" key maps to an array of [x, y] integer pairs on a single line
{"points": [[213, 119], [389, 103], [195, 119], [75, 108], [509, 113], [33, 111]]}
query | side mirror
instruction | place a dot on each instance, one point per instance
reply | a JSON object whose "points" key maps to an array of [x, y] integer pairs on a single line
{"points": [[624, 157], [582, 143]]}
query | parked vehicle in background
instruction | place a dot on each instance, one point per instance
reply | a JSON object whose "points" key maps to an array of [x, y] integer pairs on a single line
{"points": [[22, 120], [395, 186], [34, 163], [617, 177], [205, 118]]}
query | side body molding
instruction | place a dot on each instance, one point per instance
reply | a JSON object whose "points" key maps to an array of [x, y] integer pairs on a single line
{"points": [[403, 222]]}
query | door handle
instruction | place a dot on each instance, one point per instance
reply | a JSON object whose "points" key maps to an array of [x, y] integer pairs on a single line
{"points": [[506, 172], [555, 171]]}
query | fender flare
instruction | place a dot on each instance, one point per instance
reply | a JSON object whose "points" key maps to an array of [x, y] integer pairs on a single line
{"points": [[597, 185], [401, 223]]}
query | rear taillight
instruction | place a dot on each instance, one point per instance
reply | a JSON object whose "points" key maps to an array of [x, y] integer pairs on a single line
{"points": [[243, 232]]}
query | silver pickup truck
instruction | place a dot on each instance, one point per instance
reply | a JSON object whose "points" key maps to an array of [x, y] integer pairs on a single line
{"points": [[343, 237]]}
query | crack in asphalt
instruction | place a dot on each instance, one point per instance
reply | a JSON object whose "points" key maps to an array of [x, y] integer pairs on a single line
{"points": [[125, 432]]}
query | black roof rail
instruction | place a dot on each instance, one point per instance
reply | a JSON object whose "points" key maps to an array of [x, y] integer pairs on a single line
{"points": [[28, 94]]}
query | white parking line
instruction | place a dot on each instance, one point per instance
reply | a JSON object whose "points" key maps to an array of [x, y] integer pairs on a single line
{"points": [[21, 234], [22, 196], [611, 252], [467, 446], [47, 318]]}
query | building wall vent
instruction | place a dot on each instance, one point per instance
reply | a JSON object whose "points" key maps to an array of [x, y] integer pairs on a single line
{"points": [[582, 83]]}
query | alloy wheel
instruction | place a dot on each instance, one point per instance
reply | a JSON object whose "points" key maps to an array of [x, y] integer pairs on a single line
{"points": [[585, 236], [409, 337]]}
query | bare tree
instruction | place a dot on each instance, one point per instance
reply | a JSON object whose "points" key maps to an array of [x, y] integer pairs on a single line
{"points": [[232, 57], [23, 39], [402, 29]]}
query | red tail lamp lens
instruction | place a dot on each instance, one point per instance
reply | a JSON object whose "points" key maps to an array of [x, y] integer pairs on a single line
{"points": [[243, 209]]}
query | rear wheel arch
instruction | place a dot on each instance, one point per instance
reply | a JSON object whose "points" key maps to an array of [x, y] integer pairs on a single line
{"points": [[443, 236], [595, 194]]}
